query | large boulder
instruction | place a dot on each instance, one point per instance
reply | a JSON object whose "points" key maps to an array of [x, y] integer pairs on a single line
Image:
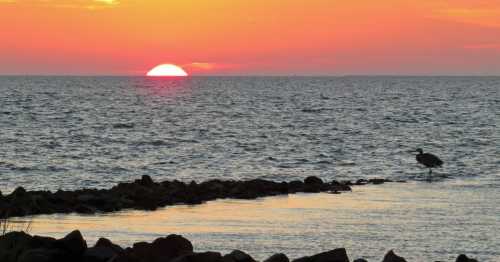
{"points": [[98, 254], [102, 251], [162, 249], [464, 258], [104, 242], [238, 256], [392, 257], [336, 255], [21, 247], [73, 243], [13, 244], [47, 255], [280, 257]]}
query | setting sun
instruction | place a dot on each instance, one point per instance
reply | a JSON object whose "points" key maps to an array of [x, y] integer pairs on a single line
{"points": [[167, 70]]}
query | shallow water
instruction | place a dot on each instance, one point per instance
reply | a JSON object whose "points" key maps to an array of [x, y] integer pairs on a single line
{"points": [[74, 132], [422, 222]]}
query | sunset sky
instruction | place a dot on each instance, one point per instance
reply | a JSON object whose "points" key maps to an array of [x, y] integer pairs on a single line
{"points": [[250, 37]]}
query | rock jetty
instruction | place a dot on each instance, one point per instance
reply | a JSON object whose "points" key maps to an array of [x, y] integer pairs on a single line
{"points": [[146, 194], [21, 247]]}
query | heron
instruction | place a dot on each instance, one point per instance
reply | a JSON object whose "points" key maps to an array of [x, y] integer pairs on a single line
{"points": [[429, 160]]}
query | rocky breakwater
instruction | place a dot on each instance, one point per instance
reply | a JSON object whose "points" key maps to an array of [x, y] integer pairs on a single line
{"points": [[145, 194], [21, 247]]}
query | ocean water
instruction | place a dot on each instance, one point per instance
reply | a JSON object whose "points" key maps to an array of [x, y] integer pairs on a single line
{"points": [[75, 132]]}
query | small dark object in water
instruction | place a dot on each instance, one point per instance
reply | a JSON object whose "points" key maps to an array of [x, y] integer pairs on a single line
{"points": [[124, 125], [428, 160]]}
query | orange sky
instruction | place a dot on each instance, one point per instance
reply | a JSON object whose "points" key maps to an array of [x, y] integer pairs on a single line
{"points": [[219, 37]]}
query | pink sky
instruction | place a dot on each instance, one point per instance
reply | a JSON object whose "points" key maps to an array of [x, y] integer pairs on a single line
{"points": [[239, 37]]}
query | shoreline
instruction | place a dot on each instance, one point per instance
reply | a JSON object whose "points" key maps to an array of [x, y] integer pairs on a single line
{"points": [[145, 194], [20, 247]]}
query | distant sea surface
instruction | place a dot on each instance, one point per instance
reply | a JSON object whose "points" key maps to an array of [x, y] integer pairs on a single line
{"points": [[80, 132], [74, 132]]}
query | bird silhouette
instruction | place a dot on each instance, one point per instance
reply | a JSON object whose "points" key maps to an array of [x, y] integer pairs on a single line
{"points": [[428, 160]]}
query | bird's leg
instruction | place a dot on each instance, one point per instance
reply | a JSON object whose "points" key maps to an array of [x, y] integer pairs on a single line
{"points": [[430, 175]]}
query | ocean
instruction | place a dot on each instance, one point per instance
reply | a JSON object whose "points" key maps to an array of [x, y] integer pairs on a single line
{"points": [[94, 132]]}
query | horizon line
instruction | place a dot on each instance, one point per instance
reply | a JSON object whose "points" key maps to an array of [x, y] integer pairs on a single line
{"points": [[256, 75]]}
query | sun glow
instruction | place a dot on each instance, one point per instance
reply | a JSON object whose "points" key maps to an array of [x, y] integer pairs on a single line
{"points": [[167, 70]]}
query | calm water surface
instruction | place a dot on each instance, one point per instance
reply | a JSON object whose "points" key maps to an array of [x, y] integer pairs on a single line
{"points": [[422, 222], [74, 132]]}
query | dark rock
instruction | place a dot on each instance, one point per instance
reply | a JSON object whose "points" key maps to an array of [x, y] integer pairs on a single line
{"points": [[73, 243], [464, 258], [347, 183], [84, 209], [200, 257], [13, 244], [19, 192], [106, 243], [378, 181], [238, 256], [146, 181], [360, 260], [173, 246], [392, 257], [42, 255], [336, 255], [302, 259], [162, 249], [277, 258], [98, 254], [145, 194], [361, 182], [313, 180]]}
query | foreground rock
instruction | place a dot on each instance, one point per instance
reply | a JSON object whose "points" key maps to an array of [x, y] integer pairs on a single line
{"points": [[336, 255], [145, 194], [392, 257], [21, 247], [464, 258]]}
